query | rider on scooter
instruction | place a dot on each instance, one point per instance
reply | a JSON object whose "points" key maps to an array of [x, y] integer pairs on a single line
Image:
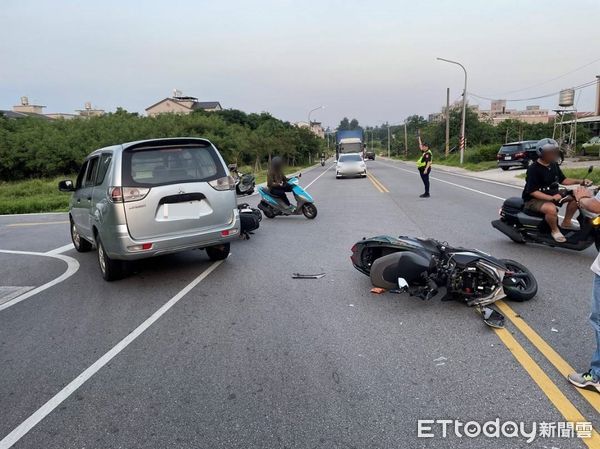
{"points": [[538, 197], [277, 182]]}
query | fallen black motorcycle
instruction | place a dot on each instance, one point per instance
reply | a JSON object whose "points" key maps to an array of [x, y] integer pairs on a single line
{"points": [[245, 183], [427, 269], [522, 225]]}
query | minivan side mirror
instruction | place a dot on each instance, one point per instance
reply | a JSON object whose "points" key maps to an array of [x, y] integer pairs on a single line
{"points": [[66, 186]]}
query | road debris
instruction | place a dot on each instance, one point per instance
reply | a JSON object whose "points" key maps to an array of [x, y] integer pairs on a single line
{"points": [[554, 329], [378, 290], [307, 276]]}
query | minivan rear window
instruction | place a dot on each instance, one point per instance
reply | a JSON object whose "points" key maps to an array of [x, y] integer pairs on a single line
{"points": [[167, 165]]}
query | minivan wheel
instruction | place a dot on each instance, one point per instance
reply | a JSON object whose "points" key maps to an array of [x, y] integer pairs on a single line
{"points": [[80, 244], [218, 252], [111, 269]]}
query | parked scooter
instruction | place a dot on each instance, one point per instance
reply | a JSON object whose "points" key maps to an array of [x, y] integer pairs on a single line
{"points": [[523, 226], [272, 206], [428, 269], [245, 183]]}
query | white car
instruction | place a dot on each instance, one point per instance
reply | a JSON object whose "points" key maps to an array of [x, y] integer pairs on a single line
{"points": [[351, 164]]}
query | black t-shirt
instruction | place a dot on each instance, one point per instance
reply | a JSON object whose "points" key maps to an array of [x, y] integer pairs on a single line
{"points": [[540, 176]]}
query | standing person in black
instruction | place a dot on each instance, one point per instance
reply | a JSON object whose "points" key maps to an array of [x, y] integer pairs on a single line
{"points": [[540, 193], [424, 166]]}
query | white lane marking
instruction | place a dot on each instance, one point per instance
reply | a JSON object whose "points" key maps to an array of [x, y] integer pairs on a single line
{"points": [[263, 184], [23, 428], [448, 182], [31, 214], [454, 184], [35, 223], [72, 267], [313, 181], [460, 175], [60, 250], [8, 292]]}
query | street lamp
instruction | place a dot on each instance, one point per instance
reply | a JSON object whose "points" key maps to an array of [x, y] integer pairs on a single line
{"points": [[310, 112], [310, 126], [464, 109]]}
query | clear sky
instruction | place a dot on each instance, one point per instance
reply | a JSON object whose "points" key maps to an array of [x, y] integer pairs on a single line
{"points": [[373, 60]]}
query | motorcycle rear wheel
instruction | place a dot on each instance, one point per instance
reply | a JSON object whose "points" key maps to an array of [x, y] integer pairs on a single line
{"points": [[520, 293]]}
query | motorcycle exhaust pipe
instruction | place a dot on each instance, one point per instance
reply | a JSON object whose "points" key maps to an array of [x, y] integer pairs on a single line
{"points": [[508, 230]]}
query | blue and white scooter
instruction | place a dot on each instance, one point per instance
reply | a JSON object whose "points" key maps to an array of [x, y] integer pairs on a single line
{"points": [[272, 206]]}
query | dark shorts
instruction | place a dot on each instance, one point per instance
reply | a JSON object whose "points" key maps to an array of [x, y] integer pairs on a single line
{"points": [[535, 205]]}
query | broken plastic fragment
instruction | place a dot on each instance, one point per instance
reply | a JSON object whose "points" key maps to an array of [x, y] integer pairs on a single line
{"points": [[307, 276]]}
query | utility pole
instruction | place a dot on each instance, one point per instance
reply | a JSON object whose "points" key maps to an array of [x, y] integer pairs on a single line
{"points": [[389, 139], [462, 140], [447, 121], [405, 141]]}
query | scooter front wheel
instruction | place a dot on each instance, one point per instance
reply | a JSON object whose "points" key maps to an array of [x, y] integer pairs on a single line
{"points": [[309, 210], [524, 287]]}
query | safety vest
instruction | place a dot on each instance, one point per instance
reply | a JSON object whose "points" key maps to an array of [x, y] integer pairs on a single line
{"points": [[420, 162]]}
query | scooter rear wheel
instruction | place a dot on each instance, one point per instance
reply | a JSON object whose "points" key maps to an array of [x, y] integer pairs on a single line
{"points": [[309, 210]]}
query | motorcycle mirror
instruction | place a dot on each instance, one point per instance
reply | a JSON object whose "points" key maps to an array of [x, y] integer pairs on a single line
{"points": [[300, 175], [590, 169]]}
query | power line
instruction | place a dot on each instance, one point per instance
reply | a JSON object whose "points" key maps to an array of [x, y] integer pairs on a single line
{"points": [[555, 78], [581, 86]]}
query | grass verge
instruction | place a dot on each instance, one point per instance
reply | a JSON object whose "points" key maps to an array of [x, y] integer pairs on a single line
{"points": [[577, 173], [42, 195], [454, 161], [33, 195]]}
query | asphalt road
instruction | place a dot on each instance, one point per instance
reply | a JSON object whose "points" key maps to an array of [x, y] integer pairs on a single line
{"points": [[243, 356]]}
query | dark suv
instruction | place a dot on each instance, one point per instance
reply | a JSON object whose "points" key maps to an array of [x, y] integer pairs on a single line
{"points": [[519, 154]]}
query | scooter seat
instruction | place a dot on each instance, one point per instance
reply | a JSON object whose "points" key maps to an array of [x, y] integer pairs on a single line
{"points": [[515, 202]]}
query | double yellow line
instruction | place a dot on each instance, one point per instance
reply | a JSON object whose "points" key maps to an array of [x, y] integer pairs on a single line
{"points": [[548, 387], [378, 185]]}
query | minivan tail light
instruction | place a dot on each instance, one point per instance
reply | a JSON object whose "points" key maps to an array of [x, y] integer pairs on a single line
{"points": [[224, 183], [127, 194]]}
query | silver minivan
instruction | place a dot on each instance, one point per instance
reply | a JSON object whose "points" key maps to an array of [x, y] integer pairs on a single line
{"points": [[142, 199]]}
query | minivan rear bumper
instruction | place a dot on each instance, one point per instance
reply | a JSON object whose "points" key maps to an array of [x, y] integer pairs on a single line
{"points": [[121, 246]]}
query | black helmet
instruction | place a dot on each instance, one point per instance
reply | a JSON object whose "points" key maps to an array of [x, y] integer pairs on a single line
{"points": [[276, 162], [546, 144]]}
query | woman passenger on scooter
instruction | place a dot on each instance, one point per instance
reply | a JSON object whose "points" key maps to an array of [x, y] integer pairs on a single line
{"points": [[277, 182]]}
